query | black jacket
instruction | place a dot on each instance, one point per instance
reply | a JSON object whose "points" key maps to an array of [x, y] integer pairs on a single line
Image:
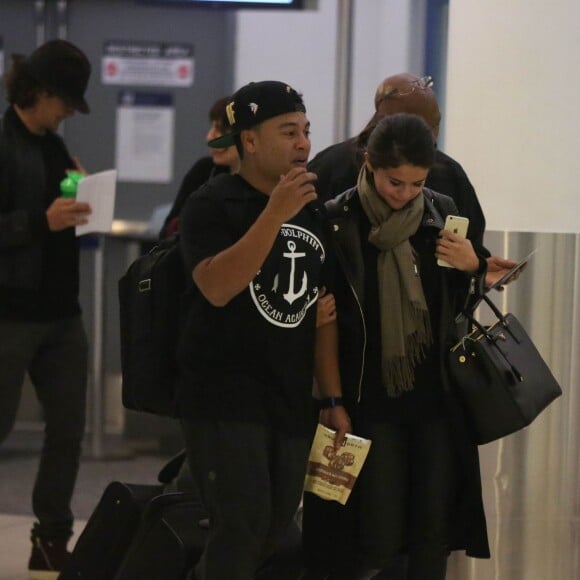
{"points": [[23, 223], [344, 213]]}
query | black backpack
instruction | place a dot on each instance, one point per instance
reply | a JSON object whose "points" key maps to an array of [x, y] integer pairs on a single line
{"points": [[153, 298]]}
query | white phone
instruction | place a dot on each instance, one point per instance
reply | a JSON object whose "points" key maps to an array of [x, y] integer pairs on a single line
{"points": [[458, 225]]}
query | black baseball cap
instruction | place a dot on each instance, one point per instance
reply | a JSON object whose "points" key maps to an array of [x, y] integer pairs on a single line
{"points": [[255, 103], [63, 69]]}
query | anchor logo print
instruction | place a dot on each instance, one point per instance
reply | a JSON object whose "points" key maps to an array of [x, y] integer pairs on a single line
{"points": [[292, 295], [287, 284]]}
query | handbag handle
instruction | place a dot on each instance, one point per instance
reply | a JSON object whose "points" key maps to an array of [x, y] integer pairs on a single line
{"points": [[469, 313], [492, 338], [494, 308]]}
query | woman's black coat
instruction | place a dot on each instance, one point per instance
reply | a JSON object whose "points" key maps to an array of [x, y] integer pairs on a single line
{"points": [[344, 213]]}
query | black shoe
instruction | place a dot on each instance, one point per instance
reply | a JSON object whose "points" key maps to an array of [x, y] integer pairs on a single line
{"points": [[47, 559]]}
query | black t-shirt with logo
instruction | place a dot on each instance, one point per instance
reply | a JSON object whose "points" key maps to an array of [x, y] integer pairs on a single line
{"points": [[251, 360]]}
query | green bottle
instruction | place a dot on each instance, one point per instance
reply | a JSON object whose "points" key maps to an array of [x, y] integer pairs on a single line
{"points": [[69, 185]]}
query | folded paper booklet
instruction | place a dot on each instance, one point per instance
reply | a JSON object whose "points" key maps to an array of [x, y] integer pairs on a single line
{"points": [[331, 473]]}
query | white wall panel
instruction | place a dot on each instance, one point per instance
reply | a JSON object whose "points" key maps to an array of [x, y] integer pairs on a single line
{"points": [[388, 39], [295, 47], [512, 119]]}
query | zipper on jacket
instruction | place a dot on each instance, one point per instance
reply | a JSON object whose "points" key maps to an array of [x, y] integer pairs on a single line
{"points": [[472, 282], [364, 342]]}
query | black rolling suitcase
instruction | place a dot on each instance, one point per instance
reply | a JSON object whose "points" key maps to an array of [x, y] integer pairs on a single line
{"points": [[138, 531], [169, 541], [103, 543], [171, 538], [131, 517], [144, 532]]}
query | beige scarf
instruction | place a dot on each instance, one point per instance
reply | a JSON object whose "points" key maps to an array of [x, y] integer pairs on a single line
{"points": [[405, 326]]}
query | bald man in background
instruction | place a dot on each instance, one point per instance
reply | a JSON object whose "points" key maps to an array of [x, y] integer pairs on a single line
{"points": [[337, 166]]}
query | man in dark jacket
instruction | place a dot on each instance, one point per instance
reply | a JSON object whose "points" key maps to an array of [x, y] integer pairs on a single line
{"points": [[337, 166], [41, 331]]}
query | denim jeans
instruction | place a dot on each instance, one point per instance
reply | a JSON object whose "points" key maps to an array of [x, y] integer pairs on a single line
{"points": [[55, 355]]}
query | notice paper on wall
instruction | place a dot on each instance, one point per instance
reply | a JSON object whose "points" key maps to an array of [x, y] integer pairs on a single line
{"points": [[145, 136], [98, 190]]}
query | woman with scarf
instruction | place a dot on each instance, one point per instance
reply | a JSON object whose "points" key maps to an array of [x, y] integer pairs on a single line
{"points": [[419, 492]]}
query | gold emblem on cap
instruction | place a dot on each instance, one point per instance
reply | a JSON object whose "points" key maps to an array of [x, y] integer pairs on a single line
{"points": [[253, 108], [230, 113], [288, 89]]}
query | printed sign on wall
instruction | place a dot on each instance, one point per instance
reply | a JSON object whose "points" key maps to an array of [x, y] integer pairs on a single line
{"points": [[144, 140], [147, 64]]}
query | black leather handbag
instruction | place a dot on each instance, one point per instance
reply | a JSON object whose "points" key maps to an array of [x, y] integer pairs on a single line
{"points": [[499, 377]]}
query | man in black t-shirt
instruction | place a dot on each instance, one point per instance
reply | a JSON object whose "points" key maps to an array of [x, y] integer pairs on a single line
{"points": [[41, 331], [254, 243]]}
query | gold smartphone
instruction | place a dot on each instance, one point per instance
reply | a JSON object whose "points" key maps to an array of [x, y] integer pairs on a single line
{"points": [[458, 225]]}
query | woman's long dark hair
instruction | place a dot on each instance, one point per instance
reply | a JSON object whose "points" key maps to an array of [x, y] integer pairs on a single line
{"points": [[401, 139]]}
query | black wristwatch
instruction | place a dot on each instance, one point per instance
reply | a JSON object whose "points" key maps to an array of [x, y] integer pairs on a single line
{"points": [[330, 402]]}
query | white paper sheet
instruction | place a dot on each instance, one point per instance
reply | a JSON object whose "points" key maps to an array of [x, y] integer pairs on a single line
{"points": [[98, 190]]}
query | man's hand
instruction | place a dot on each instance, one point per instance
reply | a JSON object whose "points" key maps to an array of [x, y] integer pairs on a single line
{"points": [[65, 213], [498, 267], [336, 418], [293, 192]]}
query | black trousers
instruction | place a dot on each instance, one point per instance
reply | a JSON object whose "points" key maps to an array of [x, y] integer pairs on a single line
{"points": [[250, 477], [406, 496], [55, 356], [398, 517]]}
